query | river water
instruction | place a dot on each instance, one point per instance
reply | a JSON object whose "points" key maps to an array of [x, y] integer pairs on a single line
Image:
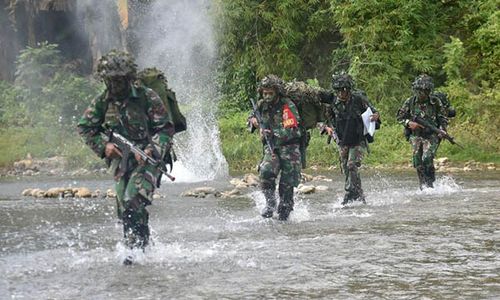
{"points": [[404, 244]]}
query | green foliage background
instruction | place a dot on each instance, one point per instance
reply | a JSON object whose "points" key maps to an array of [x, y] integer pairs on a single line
{"points": [[39, 111], [384, 44]]}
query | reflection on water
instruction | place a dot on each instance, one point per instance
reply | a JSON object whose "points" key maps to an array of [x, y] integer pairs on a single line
{"points": [[405, 243]]}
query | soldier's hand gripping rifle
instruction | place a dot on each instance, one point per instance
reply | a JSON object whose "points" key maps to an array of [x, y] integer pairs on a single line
{"points": [[258, 116], [322, 131], [126, 147], [436, 130]]}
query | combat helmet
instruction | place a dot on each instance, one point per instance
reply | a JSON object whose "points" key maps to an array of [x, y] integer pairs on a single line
{"points": [[342, 81], [272, 82], [116, 63], [422, 82]]}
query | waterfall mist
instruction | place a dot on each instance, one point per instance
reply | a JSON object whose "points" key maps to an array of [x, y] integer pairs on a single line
{"points": [[176, 36]]}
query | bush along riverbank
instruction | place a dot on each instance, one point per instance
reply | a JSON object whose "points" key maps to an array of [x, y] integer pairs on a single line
{"points": [[28, 152], [243, 150]]}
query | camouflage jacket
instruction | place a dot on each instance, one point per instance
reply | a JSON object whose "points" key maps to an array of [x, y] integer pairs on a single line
{"points": [[430, 110], [142, 112], [283, 119]]}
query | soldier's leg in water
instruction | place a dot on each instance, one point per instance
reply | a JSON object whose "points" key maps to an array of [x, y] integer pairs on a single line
{"points": [[353, 184], [416, 144], [290, 162], [353, 180], [120, 186], [138, 195], [268, 170], [344, 157], [429, 152]]}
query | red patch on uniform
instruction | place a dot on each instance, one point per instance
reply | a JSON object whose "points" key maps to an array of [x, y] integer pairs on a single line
{"points": [[289, 119]]}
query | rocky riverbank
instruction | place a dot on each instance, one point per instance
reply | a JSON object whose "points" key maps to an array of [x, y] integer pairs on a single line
{"points": [[58, 166]]}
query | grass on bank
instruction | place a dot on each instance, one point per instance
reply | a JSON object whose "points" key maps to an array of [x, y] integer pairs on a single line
{"points": [[17, 142], [243, 149]]}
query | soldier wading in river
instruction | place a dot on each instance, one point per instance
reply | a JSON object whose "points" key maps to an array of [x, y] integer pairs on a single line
{"points": [[137, 113], [344, 121], [423, 106], [280, 126]]}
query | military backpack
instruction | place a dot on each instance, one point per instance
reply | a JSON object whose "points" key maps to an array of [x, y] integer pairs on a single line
{"points": [[155, 80]]}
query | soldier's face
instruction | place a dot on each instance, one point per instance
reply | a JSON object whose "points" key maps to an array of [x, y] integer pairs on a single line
{"points": [[118, 85], [343, 94], [268, 95], [423, 94]]}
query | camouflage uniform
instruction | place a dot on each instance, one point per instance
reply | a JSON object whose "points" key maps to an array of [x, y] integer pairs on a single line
{"points": [[345, 118], [424, 142], [140, 116], [282, 118]]}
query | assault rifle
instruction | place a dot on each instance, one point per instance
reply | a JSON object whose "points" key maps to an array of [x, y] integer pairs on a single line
{"points": [[127, 147], [436, 130], [330, 136], [257, 115]]}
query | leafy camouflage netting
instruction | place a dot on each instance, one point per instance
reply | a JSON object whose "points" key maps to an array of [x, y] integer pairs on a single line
{"points": [[307, 99]]}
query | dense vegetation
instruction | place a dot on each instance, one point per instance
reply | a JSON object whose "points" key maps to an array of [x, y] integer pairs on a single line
{"points": [[384, 44], [39, 111]]}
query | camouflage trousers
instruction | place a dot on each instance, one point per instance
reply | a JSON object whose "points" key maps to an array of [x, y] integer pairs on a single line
{"points": [[350, 160], [287, 160], [424, 151], [134, 192]]}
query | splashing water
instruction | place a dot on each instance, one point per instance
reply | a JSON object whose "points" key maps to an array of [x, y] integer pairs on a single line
{"points": [[176, 36], [400, 244], [443, 186]]}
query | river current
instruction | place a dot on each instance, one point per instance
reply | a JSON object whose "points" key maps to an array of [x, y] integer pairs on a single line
{"points": [[404, 243]]}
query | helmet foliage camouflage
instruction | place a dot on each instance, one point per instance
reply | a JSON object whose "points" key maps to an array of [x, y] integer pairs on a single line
{"points": [[151, 75], [272, 82], [341, 81], [116, 63], [423, 82]]}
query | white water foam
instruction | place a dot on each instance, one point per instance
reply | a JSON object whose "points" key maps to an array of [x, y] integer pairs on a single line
{"points": [[445, 185], [300, 211], [183, 174]]}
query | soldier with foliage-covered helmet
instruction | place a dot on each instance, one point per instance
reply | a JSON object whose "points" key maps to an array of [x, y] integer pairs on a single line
{"points": [[138, 114], [418, 114], [345, 124], [278, 121]]}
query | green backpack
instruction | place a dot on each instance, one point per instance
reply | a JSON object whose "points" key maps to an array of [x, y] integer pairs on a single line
{"points": [[307, 100], [311, 110], [155, 80]]}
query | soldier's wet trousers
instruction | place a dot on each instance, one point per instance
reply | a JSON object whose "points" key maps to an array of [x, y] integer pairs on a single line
{"points": [[269, 194], [134, 192], [424, 151], [286, 160], [351, 157]]}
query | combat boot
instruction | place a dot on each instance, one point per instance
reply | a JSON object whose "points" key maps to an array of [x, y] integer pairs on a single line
{"points": [[284, 210], [286, 206], [361, 198], [348, 198], [430, 176], [421, 178], [268, 211]]}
